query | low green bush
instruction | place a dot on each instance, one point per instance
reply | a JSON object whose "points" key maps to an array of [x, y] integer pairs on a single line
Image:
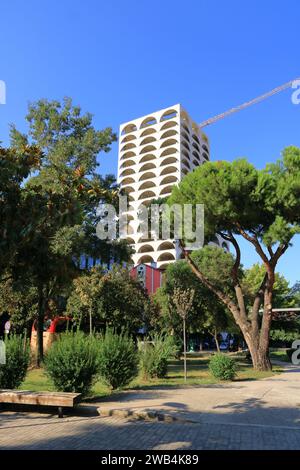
{"points": [[118, 359], [222, 367], [155, 355], [17, 352], [72, 362]]}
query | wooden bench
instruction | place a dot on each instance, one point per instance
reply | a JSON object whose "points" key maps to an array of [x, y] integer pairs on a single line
{"points": [[25, 397]]}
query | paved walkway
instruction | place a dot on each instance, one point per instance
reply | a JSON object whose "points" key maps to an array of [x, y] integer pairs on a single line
{"points": [[274, 401], [243, 415]]}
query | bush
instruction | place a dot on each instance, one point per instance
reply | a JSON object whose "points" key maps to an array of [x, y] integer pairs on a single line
{"points": [[155, 355], [222, 367], [72, 362], [118, 359], [14, 371]]}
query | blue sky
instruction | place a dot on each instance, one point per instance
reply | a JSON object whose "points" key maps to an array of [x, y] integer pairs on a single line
{"points": [[121, 60]]}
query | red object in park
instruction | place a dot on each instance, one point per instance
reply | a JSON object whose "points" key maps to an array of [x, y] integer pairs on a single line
{"points": [[52, 327], [150, 277]]}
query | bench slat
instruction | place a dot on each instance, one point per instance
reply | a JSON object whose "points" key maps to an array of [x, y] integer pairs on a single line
{"points": [[27, 397]]}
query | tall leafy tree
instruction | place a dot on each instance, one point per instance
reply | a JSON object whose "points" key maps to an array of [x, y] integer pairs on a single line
{"points": [[183, 300], [111, 298], [16, 164], [263, 207], [60, 195]]}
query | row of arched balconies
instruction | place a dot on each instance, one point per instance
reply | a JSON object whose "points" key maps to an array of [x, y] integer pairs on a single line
{"points": [[150, 121], [166, 139]]}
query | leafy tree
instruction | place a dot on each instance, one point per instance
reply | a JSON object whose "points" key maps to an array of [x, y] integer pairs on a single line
{"points": [[113, 298], [84, 297], [252, 280], [207, 313], [19, 301], [263, 207], [183, 300], [16, 164], [59, 195]]}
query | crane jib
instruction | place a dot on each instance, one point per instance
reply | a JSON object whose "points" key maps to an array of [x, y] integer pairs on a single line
{"points": [[258, 99]]}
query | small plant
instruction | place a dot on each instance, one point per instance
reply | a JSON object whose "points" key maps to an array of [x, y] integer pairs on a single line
{"points": [[118, 359], [72, 362], [17, 353], [155, 355], [222, 367]]}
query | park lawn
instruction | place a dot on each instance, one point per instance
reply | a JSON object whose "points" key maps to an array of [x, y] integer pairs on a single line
{"points": [[198, 374], [279, 354]]}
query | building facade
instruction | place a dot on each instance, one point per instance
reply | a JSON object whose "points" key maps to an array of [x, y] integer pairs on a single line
{"points": [[150, 277], [155, 152]]}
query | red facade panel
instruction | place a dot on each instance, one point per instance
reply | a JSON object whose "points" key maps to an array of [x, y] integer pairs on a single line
{"points": [[150, 277]]}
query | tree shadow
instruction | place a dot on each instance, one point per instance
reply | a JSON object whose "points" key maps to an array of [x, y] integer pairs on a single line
{"points": [[249, 424]]}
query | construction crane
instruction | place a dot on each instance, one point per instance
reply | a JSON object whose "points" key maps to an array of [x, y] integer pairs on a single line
{"points": [[245, 105]]}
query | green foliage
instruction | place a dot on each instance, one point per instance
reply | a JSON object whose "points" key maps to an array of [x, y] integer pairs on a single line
{"points": [[222, 367], [216, 264], [118, 359], [66, 136], [205, 310], [13, 373], [15, 166], [155, 355], [72, 362], [50, 214], [19, 301], [115, 298], [238, 196], [263, 207], [285, 335], [253, 278]]}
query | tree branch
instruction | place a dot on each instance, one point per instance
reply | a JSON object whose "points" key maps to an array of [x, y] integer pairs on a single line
{"points": [[271, 252], [239, 316], [256, 245], [256, 305], [278, 253]]}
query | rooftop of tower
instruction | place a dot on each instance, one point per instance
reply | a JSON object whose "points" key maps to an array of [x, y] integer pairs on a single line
{"points": [[163, 115]]}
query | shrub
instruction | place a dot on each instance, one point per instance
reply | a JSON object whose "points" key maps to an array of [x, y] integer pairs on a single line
{"points": [[222, 367], [72, 362], [118, 359], [155, 355], [14, 371]]}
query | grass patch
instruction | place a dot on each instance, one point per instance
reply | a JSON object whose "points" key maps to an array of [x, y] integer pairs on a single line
{"points": [[279, 354], [198, 374]]}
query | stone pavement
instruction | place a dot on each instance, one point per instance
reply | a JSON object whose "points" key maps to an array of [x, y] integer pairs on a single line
{"points": [[242, 415], [271, 401]]}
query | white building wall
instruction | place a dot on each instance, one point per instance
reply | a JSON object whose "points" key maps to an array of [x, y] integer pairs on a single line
{"points": [[155, 152]]}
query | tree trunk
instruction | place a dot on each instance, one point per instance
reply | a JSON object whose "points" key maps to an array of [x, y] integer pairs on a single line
{"points": [[184, 350], [264, 338], [217, 341], [91, 320], [40, 327], [259, 354], [257, 339]]}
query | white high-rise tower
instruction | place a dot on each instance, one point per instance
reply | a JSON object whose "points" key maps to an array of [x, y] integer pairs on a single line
{"points": [[156, 152]]}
